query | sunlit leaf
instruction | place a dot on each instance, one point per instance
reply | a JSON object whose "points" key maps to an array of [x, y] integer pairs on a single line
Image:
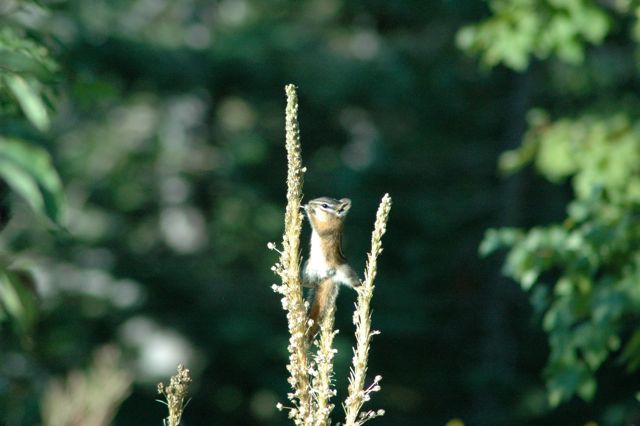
{"points": [[22, 183], [29, 171], [30, 100]]}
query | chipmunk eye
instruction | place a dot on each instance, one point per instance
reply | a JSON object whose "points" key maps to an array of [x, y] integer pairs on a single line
{"points": [[324, 205]]}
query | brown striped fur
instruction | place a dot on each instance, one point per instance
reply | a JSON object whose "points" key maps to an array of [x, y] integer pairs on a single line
{"points": [[326, 267]]}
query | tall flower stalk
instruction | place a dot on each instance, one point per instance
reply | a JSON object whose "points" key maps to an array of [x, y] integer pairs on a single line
{"points": [[322, 386], [311, 377], [288, 268], [176, 393], [358, 395]]}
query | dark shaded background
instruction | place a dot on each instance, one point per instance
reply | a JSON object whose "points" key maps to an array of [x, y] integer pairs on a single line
{"points": [[170, 141]]}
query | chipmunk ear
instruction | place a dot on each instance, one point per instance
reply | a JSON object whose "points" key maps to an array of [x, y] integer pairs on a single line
{"points": [[345, 205]]}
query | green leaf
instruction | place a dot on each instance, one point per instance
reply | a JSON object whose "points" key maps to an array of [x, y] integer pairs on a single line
{"points": [[22, 183], [495, 239], [587, 388], [631, 353], [563, 385], [18, 300], [21, 63], [22, 55], [529, 278], [28, 170], [568, 379], [490, 243], [29, 99]]}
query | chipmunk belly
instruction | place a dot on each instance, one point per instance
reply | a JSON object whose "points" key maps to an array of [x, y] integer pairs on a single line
{"points": [[317, 265]]}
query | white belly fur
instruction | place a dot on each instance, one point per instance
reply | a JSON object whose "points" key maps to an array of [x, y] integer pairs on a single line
{"points": [[317, 267]]}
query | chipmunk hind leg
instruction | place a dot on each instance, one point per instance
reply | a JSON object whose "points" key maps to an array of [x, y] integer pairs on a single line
{"points": [[321, 298]]}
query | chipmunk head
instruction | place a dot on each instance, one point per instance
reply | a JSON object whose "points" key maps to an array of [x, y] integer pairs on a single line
{"points": [[327, 214]]}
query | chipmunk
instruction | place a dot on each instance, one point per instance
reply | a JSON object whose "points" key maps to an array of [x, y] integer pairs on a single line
{"points": [[326, 268]]}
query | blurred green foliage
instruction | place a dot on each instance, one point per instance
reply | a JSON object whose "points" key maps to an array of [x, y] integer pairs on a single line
{"points": [[582, 273], [168, 137], [520, 29], [27, 73]]}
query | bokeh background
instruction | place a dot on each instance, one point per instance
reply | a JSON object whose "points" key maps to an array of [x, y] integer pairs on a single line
{"points": [[168, 136]]}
